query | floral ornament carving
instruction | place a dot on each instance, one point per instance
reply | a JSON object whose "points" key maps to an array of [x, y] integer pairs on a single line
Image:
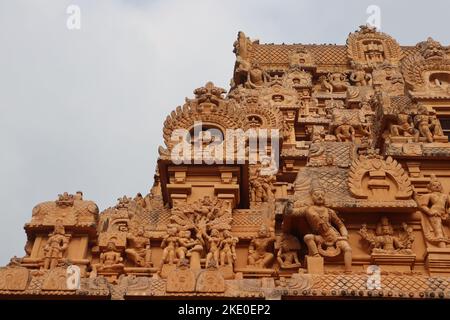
{"points": [[370, 177]]}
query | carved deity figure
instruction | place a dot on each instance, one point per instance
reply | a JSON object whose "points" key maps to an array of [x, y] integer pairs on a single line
{"points": [[359, 77], [422, 122], [384, 240], [404, 126], [435, 126], [170, 245], [329, 235], [139, 251], [258, 251], [256, 77], [345, 132], [110, 260], [228, 248], [338, 81], [214, 244], [435, 205], [185, 243], [323, 85], [56, 246], [262, 183], [287, 255]]}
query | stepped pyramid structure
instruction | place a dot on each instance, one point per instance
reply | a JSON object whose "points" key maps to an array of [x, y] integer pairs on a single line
{"points": [[347, 197]]}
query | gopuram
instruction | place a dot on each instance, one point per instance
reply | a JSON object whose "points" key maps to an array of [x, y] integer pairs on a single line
{"points": [[349, 198]]}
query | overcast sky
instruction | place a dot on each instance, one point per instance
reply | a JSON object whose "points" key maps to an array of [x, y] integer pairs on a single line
{"points": [[83, 109]]}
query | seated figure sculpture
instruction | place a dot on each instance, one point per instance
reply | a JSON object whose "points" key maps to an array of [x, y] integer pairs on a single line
{"points": [[384, 240], [287, 255], [110, 261], [329, 235], [139, 251], [258, 252]]}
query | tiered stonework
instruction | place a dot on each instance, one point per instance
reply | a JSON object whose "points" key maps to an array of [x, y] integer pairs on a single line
{"points": [[358, 206]]}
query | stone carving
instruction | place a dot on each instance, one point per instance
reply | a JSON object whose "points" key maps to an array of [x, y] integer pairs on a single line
{"points": [[384, 240], [256, 77], [110, 262], [369, 47], [182, 279], [389, 79], [287, 254], [262, 183], [329, 235], [209, 106], [14, 278], [259, 251], [360, 77], [227, 230], [56, 280], [228, 248], [139, 249], [435, 205], [301, 58], [56, 246], [71, 209], [386, 178], [427, 73], [403, 126], [242, 49], [170, 245], [427, 126], [201, 228], [298, 79], [210, 280], [345, 131], [332, 83]]}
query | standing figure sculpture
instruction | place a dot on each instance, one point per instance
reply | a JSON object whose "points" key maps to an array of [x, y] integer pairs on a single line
{"points": [[170, 245], [214, 243], [228, 249], [423, 123], [56, 246], [435, 205]]}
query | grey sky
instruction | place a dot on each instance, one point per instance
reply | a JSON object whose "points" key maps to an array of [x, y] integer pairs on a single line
{"points": [[83, 110]]}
